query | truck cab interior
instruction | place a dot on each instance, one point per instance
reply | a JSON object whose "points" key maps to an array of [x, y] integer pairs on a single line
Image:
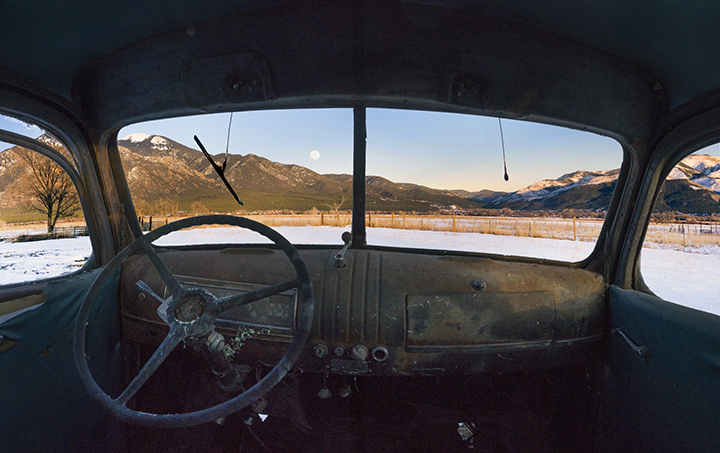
{"points": [[348, 345]]}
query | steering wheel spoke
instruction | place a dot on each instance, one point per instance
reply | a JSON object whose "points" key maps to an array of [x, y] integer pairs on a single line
{"points": [[174, 337], [239, 300], [171, 282]]}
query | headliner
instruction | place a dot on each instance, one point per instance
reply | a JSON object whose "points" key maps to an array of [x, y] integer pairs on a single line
{"points": [[677, 43]]}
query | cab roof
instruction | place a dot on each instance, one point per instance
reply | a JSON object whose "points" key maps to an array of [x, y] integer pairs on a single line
{"points": [[614, 67]]}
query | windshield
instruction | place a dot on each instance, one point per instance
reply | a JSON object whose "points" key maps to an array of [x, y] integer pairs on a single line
{"points": [[434, 180]]}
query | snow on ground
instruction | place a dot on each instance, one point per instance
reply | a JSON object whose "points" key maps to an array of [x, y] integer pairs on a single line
{"points": [[685, 278], [26, 261]]}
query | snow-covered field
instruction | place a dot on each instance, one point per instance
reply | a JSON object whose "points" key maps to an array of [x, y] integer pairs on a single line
{"points": [[685, 278]]}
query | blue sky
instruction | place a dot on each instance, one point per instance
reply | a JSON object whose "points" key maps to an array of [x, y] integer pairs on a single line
{"points": [[440, 150]]}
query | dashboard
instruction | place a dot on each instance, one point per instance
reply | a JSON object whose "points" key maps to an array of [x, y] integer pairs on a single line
{"points": [[387, 312]]}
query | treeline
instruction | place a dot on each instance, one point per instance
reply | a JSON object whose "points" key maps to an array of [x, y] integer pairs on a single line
{"points": [[670, 217]]}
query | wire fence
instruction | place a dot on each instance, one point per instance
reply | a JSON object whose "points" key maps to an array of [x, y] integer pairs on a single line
{"points": [[683, 236]]}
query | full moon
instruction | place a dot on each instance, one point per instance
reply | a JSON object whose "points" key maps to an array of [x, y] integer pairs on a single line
{"points": [[314, 155]]}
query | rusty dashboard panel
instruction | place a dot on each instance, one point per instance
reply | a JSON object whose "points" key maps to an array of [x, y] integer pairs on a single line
{"points": [[390, 312], [479, 321]]}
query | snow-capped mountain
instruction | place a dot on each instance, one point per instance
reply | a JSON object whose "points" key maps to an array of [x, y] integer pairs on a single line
{"points": [[552, 187], [155, 142], [700, 169], [693, 186], [49, 140], [147, 144]]}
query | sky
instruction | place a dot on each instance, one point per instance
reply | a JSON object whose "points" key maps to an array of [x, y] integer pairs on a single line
{"points": [[11, 124], [439, 150]]}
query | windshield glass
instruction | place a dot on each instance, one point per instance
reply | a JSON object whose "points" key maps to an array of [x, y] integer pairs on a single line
{"points": [[434, 180], [480, 184], [289, 168]]}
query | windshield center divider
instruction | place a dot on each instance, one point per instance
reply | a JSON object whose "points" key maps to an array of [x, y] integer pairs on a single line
{"points": [[359, 238]]}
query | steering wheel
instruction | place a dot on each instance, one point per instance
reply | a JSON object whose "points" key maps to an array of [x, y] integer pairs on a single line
{"points": [[190, 313]]}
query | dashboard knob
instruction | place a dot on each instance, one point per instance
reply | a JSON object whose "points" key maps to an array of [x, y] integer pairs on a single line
{"points": [[359, 352], [320, 350], [324, 393], [478, 285]]}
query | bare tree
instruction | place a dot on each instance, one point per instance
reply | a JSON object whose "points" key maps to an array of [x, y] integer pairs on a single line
{"points": [[53, 192], [167, 206], [199, 208], [336, 205], [142, 207]]}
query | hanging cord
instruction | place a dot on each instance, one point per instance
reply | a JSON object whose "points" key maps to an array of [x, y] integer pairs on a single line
{"points": [[502, 140], [227, 144]]}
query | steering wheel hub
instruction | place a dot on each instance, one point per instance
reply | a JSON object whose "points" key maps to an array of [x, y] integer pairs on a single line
{"points": [[191, 308]]}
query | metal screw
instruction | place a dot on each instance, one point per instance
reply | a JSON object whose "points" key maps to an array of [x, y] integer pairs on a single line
{"points": [[320, 350], [479, 285]]}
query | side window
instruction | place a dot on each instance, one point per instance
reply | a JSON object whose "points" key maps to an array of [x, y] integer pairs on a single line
{"points": [[42, 231], [680, 258]]}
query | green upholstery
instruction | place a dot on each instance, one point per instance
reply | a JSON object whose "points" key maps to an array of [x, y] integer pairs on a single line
{"points": [[44, 406], [670, 400]]}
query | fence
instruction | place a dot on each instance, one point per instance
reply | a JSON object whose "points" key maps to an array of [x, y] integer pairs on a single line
{"points": [[73, 231], [57, 233], [538, 227], [684, 236], [678, 236]]}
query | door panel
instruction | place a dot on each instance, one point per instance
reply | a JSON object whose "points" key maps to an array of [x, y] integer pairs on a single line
{"points": [[44, 406], [665, 398]]}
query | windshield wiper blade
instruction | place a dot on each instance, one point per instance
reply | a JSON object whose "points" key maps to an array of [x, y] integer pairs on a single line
{"points": [[218, 169]]}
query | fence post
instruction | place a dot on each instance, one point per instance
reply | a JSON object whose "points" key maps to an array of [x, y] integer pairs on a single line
{"points": [[453, 222], [392, 220], [574, 230], [322, 219]]}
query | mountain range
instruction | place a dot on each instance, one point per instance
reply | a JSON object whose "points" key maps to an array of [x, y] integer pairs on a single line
{"points": [[159, 170]]}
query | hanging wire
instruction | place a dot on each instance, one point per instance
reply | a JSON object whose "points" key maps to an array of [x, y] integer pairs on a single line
{"points": [[227, 144], [502, 140]]}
